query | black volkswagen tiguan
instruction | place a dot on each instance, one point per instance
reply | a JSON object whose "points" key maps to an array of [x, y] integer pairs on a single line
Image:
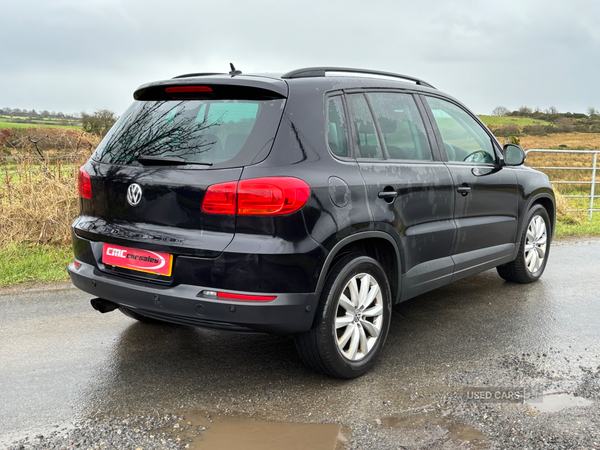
{"points": [[303, 204]]}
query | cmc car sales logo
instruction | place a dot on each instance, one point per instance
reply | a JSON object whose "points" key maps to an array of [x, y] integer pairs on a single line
{"points": [[137, 259]]}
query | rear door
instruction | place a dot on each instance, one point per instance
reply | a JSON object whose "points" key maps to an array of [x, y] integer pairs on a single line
{"points": [[485, 193], [410, 190]]}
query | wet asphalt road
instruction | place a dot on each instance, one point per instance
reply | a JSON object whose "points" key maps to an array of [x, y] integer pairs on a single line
{"points": [[62, 362]]}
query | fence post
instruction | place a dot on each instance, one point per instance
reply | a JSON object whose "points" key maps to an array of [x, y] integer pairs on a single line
{"points": [[593, 185]]}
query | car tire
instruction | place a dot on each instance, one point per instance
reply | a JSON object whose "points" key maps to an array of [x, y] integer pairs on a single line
{"points": [[352, 321], [533, 250], [137, 316]]}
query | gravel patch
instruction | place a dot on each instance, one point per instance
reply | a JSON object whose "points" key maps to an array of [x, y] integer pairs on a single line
{"points": [[140, 432]]}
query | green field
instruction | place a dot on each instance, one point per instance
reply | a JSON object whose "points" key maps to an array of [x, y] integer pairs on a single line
{"points": [[25, 122], [34, 125], [497, 121]]}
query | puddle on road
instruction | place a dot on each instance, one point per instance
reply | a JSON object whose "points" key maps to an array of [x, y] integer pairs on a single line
{"points": [[456, 431], [554, 402], [204, 431], [466, 433]]}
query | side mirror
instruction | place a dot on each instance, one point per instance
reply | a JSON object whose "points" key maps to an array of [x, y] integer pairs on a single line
{"points": [[513, 155]]}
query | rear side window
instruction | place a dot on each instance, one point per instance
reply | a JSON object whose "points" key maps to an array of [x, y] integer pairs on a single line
{"points": [[401, 125], [224, 133]]}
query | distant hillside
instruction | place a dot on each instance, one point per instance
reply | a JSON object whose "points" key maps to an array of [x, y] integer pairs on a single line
{"points": [[496, 121], [7, 121]]}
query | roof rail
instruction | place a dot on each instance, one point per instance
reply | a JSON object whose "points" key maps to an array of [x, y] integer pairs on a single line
{"points": [[321, 71], [189, 75]]}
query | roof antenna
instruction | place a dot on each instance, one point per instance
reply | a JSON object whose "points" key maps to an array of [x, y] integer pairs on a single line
{"points": [[234, 72]]}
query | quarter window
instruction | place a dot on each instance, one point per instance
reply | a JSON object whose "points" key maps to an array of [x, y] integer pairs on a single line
{"points": [[464, 138], [337, 131]]}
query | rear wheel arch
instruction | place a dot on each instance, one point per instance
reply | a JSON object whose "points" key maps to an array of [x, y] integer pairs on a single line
{"points": [[376, 244], [352, 321]]}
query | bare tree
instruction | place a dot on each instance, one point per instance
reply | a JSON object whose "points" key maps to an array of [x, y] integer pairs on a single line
{"points": [[552, 110], [591, 111], [525, 111], [99, 122], [564, 125], [500, 111]]}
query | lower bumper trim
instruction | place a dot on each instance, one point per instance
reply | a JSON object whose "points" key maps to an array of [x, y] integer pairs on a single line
{"points": [[288, 313]]}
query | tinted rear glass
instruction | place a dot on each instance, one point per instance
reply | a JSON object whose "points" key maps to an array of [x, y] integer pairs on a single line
{"points": [[225, 133]]}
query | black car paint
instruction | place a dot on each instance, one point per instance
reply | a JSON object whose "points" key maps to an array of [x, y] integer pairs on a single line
{"points": [[430, 229]]}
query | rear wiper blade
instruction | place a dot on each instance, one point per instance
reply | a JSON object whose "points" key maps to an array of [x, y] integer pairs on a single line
{"points": [[168, 161]]}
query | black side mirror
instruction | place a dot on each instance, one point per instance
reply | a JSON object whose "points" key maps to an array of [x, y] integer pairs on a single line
{"points": [[513, 155]]}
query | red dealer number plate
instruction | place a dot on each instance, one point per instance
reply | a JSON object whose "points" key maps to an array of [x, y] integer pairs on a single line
{"points": [[136, 259]]}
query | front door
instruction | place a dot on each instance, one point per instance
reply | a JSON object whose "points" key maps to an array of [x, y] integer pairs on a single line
{"points": [[486, 194]]}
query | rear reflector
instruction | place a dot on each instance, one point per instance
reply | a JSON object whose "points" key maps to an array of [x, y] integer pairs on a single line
{"points": [[85, 185], [247, 298], [260, 196], [179, 89]]}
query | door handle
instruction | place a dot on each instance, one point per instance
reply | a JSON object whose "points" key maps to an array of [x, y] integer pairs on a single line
{"points": [[388, 194], [464, 189]]}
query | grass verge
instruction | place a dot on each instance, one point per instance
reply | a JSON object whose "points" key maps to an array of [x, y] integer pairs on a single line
{"points": [[582, 228], [24, 262]]}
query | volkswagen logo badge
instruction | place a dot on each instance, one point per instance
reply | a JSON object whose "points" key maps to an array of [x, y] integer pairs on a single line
{"points": [[134, 194]]}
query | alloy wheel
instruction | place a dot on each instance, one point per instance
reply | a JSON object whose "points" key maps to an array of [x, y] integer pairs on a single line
{"points": [[359, 317], [535, 244]]}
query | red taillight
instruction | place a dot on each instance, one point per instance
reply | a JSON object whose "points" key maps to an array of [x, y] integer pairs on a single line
{"points": [[268, 196], [260, 196], [179, 89], [220, 198], [249, 298], [85, 185]]}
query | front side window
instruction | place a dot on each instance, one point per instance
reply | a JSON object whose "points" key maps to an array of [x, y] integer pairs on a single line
{"points": [[401, 125], [464, 139]]}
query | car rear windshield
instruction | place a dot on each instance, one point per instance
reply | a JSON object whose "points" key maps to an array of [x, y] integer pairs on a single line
{"points": [[218, 133]]}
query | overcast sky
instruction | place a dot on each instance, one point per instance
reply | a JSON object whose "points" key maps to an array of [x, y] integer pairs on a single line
{"points": [[82, 55]]}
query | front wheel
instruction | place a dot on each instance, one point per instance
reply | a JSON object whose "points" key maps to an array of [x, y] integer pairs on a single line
{"points": [[533, 250], [352, 321]]}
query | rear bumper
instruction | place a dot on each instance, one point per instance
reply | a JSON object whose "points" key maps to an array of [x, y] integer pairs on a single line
{"points": [[289, 313]]}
